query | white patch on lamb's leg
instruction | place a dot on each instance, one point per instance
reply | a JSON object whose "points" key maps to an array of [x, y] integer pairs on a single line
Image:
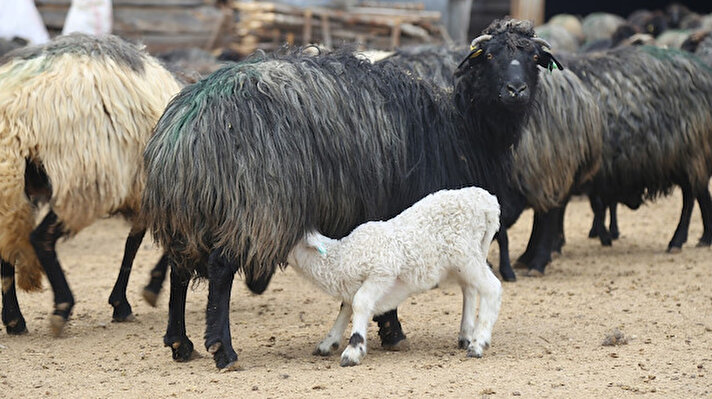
{"points": [[490, 290], [363, 304], [333, 339]]}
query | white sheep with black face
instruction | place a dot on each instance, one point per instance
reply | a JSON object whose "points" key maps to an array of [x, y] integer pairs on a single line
{"points": [[380, 264]]}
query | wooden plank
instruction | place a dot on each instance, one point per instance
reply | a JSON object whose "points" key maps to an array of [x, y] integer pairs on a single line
{"points": [[532, 10], [136, 3], [157, 43], [167, 20]]}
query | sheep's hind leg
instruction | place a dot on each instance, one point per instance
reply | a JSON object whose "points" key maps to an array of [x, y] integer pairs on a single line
{"points": [[363, 305], [705, 201], [218, 341], [680, 236], [11, 316], [332, 341], [43, 239], [158, 274], [117, 299], [176, 337], [598, 229], [478, 278], [505, 267]]}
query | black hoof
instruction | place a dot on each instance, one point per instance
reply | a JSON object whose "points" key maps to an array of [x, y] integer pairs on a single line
{"points": [[122, 312], [59, 317], [16, 327], [606, 241], [510, 277], [592, 233], [224, 357], [182, 349], [150, 296], [615, 234], [463, 343], [704, 242], [674, 249]]}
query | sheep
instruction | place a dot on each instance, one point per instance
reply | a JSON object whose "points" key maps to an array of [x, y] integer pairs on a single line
{"points": [[380, 263], [558, 36], [600, 25], [559, 151], [245, 162], [658, 133], [75, 115]]}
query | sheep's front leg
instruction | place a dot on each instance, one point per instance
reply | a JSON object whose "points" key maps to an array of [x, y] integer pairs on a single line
{"points": [[333, 339], [218, 341], [363, 304], [176, 337]]}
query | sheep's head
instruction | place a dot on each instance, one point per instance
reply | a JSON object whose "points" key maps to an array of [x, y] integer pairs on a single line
{"points": [[503, 62]]}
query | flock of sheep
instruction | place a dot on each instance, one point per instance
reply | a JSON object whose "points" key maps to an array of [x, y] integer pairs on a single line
{"points": [[255, 166]]}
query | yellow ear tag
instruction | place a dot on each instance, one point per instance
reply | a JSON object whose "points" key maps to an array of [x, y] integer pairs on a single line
{"points": [[476, 53]]}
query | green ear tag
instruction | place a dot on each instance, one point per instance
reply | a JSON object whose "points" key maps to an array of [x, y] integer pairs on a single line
{"points": [[320, 248]]}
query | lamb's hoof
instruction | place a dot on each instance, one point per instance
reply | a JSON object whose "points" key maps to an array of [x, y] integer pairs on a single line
{"points": [[463, 343], [182, 350], [400, 346], [225, 358], [475, 351], [674, 250], [325, 350], [534, 273], [16, 327], [150, 297]]}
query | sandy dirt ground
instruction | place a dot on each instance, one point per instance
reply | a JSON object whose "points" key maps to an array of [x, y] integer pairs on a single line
{"points": [[546, 343]]}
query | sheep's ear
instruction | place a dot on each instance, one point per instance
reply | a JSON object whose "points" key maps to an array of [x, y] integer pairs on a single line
{"points": [[548, 61]]}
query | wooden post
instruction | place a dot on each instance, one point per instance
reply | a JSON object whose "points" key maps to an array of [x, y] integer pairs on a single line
{"points": [[307, 35], [326, 30], [395, 34], [532, 10]]}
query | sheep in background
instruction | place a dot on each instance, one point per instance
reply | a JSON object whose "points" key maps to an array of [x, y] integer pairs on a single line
{"points": [[598, 25], [248, 160], [380, 264], [75, 115], [559, 38]]}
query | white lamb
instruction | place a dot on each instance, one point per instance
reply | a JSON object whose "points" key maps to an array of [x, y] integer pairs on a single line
{"points": [[380, 264]]}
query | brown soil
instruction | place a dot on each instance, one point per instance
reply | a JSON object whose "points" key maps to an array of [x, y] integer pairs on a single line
{"points": [[548, 341]]}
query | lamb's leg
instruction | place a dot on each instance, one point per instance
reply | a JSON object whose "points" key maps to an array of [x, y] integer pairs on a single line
{"points": [[478, 278], [43, 239], [505, 267], [218, 341], [176, 337], [705, 201], [390, 331], [613, 224], [117, 299], [680, 236], [11, 316], [158, 274], [363, 305], [332, 341]]}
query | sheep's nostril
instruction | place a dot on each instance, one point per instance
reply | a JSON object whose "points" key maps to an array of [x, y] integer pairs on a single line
{"points": [[516, 90]]}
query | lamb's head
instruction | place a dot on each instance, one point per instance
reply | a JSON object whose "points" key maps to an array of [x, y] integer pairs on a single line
{"points": [[311, 246], [502, 66]]}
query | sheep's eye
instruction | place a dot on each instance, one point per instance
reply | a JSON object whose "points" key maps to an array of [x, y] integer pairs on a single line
{"points": [[536, 57], [489, 56]]}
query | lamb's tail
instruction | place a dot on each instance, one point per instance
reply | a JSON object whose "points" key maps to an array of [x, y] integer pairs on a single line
{"points": [[491, 210]]}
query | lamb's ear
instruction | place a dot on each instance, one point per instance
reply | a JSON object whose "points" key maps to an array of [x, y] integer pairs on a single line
{"points": [[313, 240], [546, 59]]}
